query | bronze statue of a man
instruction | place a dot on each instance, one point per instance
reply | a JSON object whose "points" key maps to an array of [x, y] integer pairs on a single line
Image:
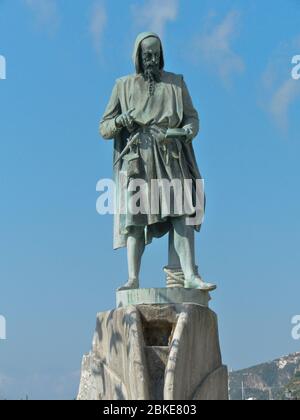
{"points": [[152, 120]]}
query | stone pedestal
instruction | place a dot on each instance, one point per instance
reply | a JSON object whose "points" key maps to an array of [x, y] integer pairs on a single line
{"points": [[157, 351], [162, 297]]}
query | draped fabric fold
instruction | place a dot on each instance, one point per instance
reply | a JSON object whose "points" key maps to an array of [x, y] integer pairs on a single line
{"points": [[170, 107]]}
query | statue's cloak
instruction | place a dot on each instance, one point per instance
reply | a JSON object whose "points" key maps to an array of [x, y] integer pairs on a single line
{"points": [[173, 108]]}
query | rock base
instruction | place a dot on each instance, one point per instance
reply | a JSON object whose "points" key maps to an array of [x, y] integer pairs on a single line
{"points": [[155, 352]]}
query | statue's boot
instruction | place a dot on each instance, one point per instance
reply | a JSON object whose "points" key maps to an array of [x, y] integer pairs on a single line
{"points": [[196, 282], [130, 285]]}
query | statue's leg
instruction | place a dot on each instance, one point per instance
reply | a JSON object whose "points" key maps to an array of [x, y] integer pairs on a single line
{"points": [[174, 272], [184, 246], [135, 251]]}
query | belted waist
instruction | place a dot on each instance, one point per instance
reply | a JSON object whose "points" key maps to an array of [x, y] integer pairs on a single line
{"points": [[146, 129]]}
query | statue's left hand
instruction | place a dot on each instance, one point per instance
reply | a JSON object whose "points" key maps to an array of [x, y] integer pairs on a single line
{"points": [[189, 135]]}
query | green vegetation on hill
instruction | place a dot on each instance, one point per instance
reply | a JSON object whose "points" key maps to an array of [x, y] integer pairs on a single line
{"points": [[292, 389], [275, 380]]}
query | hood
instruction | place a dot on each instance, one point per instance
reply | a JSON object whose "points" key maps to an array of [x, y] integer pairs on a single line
{"points": [[136, 57]]}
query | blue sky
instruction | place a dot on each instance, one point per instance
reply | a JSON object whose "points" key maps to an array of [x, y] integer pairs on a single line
{"points": [[57, 267]]}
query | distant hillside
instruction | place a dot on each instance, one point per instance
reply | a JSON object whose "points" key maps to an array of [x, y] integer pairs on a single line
{"points": [[292, 390], [275, 380]]}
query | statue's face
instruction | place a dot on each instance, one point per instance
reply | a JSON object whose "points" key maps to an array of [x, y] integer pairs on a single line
{"points": [[151, 54]]}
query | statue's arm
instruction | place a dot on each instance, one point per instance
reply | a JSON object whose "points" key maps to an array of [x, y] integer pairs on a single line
{"points": [[190, 115], [108, 127]]}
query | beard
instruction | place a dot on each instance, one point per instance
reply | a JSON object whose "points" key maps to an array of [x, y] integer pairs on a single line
{"points": [[151, 74]]}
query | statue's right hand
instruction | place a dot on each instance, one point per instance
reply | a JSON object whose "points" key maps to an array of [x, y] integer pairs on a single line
{"points": [[125, 120]]}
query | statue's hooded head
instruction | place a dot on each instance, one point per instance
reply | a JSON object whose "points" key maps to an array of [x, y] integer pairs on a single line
{"points": [[148, 58]]}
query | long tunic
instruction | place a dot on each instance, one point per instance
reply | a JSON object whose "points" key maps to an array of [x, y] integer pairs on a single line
{"points": [[170, 107]]}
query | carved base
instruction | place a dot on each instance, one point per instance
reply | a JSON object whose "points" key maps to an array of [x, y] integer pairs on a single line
{"points": [[155, 352]]}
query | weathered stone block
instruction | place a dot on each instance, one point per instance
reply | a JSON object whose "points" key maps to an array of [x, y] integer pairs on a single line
{"points": [[158, 352]]}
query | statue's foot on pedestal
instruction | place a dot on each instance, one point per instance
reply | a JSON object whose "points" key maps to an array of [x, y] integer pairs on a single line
{"points": [[197, 283], [130, 285]]}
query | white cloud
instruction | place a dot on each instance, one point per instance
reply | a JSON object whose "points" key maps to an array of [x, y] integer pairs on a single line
{"points": [[214, 46], [45, 11], [154, 15], [98, 23], [281, 101], [280, 90]]}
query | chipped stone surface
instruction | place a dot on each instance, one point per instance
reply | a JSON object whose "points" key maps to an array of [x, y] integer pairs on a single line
{"points": [[158, 352]]}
